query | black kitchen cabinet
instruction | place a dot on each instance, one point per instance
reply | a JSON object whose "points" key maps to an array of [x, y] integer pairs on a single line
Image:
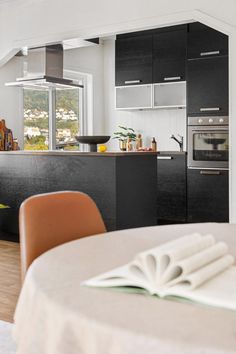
{"points": [[208, 196], [133, 59], [204, 41], [169, 55], [207, 86], [171, 188]]}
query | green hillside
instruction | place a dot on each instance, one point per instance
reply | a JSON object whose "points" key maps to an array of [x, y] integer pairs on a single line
{"points": [[38, 100]]}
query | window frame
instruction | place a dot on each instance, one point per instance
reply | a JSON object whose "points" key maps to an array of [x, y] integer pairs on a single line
{"points": [[85, 107]]}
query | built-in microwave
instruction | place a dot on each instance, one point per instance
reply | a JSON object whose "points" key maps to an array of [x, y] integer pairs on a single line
{"points": [[208, 142]]}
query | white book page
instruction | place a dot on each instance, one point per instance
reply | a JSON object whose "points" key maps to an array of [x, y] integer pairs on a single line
{"points": [[195, 262], [204, 274], [220, 291], [160, 263], [203, 258], [128, 275], [173, 258]]}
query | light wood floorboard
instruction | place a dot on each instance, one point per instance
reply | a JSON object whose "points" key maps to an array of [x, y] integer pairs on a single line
{"points": [[9, 279]]}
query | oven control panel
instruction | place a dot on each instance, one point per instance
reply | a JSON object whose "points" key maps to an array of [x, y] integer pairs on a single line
{"points": [[222, 120]]}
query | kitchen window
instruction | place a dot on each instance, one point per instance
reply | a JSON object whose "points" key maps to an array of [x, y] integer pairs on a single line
{"points": [[36, 121], [53, 117]]}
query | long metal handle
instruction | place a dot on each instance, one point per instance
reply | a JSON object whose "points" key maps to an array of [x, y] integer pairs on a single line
{"points": [[205, 172], [132, 82], [207, 109], [164, 157], [172, 78], [204, 130], [214, 52]]}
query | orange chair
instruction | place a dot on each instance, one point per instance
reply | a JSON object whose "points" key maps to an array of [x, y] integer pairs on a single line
{"points": [[48, 220]]}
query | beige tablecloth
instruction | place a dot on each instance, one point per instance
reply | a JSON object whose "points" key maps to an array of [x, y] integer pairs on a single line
{"points": [[55, 315]]}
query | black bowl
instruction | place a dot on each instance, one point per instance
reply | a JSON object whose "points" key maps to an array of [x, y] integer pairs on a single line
{"points": [[92, 140]]}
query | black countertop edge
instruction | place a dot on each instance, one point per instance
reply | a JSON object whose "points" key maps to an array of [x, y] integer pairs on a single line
{"points": [[78, 153]]}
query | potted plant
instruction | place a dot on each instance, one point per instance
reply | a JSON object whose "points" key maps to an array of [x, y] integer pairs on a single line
{"points": [[123, 134]]}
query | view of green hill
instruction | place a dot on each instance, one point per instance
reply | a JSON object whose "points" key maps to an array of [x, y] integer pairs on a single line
{"points": [[36, 109], [38, 99]]}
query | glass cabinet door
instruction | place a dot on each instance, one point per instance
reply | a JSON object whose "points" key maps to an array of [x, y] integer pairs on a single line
{"points": [[134, 97], [170, 95]]}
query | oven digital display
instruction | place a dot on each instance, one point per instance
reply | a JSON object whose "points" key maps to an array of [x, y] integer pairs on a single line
{"points": [[210, 146]]}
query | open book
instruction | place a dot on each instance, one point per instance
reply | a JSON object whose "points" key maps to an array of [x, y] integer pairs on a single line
{"points": [[193, 267]]}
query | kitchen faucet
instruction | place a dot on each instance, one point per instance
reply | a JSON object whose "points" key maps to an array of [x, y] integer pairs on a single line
{"points": [[180, 142]]}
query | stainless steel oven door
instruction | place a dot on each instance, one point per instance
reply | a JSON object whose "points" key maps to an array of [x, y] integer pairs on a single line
{"points": [[208, 147]]}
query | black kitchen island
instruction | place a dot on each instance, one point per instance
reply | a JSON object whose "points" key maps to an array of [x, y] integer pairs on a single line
{"points": [[123, 184]]}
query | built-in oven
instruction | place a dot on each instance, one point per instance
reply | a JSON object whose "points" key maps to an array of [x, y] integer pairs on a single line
{"points": [[208, 142]]}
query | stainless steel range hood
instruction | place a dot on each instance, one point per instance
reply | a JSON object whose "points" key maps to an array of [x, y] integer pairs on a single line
{"points": [[43, 68]]}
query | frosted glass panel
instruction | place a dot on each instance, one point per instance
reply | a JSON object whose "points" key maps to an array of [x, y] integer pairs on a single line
{"points": [[134, 97], [171, 94]]}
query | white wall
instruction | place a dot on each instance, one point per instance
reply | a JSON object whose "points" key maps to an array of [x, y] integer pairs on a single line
{"points": [[159, 123], [90, 60]]}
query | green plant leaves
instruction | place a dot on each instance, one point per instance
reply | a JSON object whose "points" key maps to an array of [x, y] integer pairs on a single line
{"points": [[125, 133]]}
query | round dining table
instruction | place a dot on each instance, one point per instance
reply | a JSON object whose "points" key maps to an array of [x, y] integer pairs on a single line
{"points": [[56, 314]]}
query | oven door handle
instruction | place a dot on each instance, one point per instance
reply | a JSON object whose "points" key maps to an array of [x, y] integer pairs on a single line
{"points": [[209, 173], [209, 130]]}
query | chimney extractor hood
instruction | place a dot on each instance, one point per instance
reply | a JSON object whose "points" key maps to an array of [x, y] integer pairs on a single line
{"points": [[44, 68]]}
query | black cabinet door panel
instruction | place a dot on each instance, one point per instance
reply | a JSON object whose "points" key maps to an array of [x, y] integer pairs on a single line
{"points": [[134, 60], [207, 86], [204, 41], [208, 196], [169, 55], [171, 188]]}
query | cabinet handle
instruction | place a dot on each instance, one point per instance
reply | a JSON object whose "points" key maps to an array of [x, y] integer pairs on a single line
{"points": [[214, 52], [216, 173], [172, 78], [209, 109], [132, 82], [164, 157]]}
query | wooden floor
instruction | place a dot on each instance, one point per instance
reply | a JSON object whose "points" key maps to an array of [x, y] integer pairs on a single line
{"points": [[9, 279]]}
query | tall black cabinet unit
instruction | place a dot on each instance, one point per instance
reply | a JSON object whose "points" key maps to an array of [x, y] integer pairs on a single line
{"points": [[207, 71], [207, 95], [134, 59]]}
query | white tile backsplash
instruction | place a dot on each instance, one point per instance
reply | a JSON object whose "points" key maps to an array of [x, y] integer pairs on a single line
{"points": [[158, 123]]}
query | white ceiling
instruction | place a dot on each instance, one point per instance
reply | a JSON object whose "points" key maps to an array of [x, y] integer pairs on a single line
{"points": [[8, 1]]}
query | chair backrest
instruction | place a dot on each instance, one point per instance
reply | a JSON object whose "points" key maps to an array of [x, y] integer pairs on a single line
{"points": [[48, 220]]}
